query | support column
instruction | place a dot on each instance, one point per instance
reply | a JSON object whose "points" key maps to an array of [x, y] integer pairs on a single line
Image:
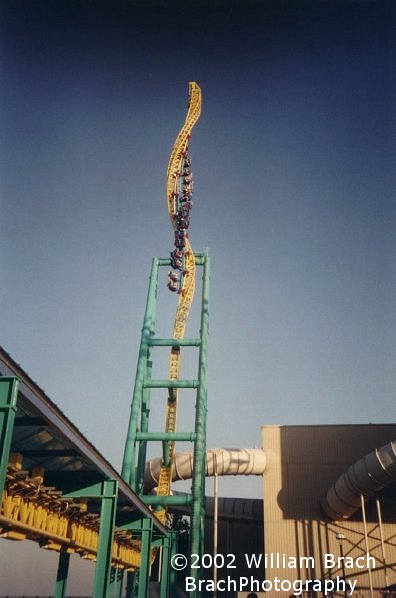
{"points": [[8, 407], [144, 573], [172, 572], [198, 481], [129, 461], [61, 577], [144, 423], [105, 541], [165, 566]]}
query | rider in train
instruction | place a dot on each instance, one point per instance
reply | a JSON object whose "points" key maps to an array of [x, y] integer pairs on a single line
{"points": [[176, 259], [173, 281]]}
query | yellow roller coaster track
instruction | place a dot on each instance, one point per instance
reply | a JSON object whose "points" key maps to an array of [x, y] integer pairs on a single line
{"points": [[188, 282]]}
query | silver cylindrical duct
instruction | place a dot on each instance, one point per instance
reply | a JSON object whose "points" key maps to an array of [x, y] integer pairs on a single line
{"points": [[223, 461], [366, 477]]}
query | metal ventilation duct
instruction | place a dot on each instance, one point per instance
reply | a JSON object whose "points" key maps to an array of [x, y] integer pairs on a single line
{"points": [[366, 477], [220, 461]]}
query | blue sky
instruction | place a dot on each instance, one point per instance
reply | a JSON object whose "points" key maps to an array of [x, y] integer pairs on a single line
{"points": [[293, 162]]}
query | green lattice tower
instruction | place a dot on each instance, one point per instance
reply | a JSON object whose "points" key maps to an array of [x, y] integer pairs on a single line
{"points": [[138, 430]]}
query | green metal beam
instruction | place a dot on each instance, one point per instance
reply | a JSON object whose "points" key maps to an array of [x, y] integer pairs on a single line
{"points": [[171, 383], [129, 461], [92, 491], [101, 582], [198, 478], [146, 531], [165, 566], [144, 423], [172, 573], [173, 342], [158, 436], [166, 454], [174, 500], [200, 259], [8, 407]]}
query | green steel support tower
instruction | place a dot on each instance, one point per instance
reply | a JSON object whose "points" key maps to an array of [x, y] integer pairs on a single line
{"points": [[138, 430]]}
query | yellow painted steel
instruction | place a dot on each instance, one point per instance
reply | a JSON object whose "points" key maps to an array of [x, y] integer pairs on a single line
{"points": [[188, 285], [180, 146], [30, 510]]}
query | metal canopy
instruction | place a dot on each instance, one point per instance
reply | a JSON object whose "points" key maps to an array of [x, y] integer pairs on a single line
{"points": [[47, 438]]}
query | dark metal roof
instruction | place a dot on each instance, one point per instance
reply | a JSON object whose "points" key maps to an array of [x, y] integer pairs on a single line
{"points": [[47, 438]]}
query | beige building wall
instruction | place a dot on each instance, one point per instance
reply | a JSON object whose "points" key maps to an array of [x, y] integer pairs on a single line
{"points": [[303, 462]]}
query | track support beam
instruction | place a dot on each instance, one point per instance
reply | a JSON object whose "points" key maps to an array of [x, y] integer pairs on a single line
{"points": [[106, 534], [198, 477], [107, 491]]}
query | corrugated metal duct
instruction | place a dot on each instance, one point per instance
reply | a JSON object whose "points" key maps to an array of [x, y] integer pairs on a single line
{"points": [[366, 477], [246, 509], [243, 509], [221, 461]]}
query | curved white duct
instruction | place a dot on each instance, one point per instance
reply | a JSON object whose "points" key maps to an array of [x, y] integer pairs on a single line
{"points": [[220, 461], [366, 477]]}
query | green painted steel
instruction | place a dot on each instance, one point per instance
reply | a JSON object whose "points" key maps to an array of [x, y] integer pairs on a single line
{"points": [[138, 429], [146, 534], [171, 383], [91, 491], [173, 500], [179, 436], [101, 583], [166, 454], [8, 406], [61, 577], [172, 573], [198, 477], [128, 465], [173, 342], [144, 424], [165, 566]]}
